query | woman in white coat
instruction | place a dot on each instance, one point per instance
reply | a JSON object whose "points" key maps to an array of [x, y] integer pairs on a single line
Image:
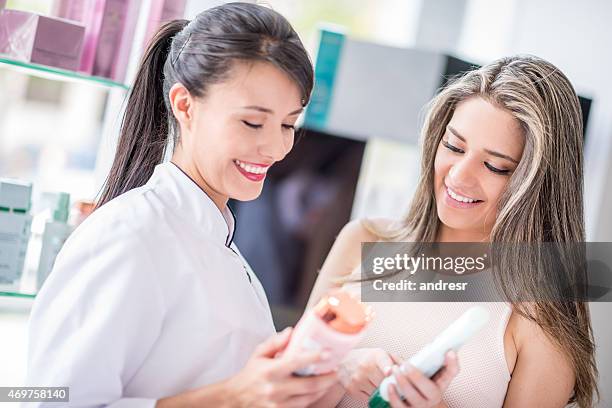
{"points": [[150, 303]]}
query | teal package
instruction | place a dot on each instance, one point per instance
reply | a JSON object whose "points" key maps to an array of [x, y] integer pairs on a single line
{"points": [[326, 67]]}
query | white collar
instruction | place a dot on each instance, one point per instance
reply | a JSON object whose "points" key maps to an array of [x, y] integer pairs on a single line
{"points": [[182, 195]]}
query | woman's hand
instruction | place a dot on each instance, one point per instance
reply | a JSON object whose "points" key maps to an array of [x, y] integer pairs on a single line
{"points": [[418, 391], [267, 381], [363, 369]]}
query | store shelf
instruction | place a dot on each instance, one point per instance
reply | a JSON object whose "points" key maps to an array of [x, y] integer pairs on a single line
{"points": [[58, 74], [14, 303], [17, 295]]}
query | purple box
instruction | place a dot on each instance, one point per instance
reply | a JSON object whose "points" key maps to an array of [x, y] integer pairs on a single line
{"points": [[40, 39]]}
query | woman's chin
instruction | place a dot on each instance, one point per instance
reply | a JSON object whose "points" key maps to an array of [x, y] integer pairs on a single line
{"points": [[456, 222], [246, 194]]}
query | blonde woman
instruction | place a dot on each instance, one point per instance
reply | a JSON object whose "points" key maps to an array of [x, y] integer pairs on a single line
{"points": [[506, 138]]}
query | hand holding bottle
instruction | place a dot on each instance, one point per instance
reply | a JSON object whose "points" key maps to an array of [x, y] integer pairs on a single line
{"points": [[413, 389], [267, 380]]}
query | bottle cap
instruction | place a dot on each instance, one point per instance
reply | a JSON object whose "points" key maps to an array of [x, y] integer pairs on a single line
{"points": [[343, 312]]}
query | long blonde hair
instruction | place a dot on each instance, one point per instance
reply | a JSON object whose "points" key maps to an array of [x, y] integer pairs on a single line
{"points": [[543, 201]]}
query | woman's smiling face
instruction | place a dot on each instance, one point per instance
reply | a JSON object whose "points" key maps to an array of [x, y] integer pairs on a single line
{"points": [[237, 131], [479, 150]]}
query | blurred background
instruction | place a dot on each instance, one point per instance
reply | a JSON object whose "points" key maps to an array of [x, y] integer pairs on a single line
{"points": [[377, 64]]}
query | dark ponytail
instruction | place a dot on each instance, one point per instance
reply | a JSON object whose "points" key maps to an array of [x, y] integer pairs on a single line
{"points": [[144, 129], [196, 54]]}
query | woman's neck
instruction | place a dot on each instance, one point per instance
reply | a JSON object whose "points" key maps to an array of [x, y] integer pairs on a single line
{"points": [[447, 234], [191, 170]]}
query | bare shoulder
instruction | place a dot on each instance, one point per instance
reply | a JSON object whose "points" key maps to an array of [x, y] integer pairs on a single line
{"points": [[363, 229], [356, 232], [345, 254], [346, 251], [541, 368], [530, 339], [527, 333]]}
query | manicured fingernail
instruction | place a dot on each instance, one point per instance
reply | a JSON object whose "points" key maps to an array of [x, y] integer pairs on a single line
{"points": [[387, 370], [325, 355], [406, 368], [452, 354]]}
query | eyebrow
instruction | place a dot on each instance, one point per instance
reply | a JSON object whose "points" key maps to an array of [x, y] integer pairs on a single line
{"points": [[267, 110], [491, 152]]}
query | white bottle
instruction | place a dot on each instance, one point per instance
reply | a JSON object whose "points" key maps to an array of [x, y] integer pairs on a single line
{"points": [[56, 233], [431, 357], [15, 222]]}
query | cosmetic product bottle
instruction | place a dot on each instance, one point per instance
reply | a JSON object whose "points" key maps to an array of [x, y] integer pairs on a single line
{"points": [[15, 222], [335, 325], [109, 36], [430, 358], [125, 46], [75, 10], [110, 27], [55, 234], [92, 21]]}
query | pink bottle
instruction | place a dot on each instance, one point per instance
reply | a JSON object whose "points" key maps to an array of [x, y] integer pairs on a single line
{"points": [[336, 325]]}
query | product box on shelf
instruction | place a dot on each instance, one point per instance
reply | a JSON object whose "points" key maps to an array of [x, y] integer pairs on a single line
{"points": [[15, 222], [109, 33], [31, 37]]}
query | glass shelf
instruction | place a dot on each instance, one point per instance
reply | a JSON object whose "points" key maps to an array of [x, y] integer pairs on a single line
{"points": [[17, 295], [59, 74]]}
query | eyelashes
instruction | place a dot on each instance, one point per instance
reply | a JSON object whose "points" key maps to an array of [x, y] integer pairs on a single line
{"points": [[252, 125], [455, 149], [495, 169], [451, 147], [259, 126]]}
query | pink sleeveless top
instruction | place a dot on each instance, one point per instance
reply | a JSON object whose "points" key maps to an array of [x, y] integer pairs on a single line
{"points": [[403, 328]]}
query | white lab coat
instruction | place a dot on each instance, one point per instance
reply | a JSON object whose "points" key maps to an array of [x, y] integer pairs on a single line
{"points": [[147, 299]]}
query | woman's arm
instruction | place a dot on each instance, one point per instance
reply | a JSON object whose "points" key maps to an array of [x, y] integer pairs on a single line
{"points": [[543, 375], [331, 398], [265, 381], [344, 256]]}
